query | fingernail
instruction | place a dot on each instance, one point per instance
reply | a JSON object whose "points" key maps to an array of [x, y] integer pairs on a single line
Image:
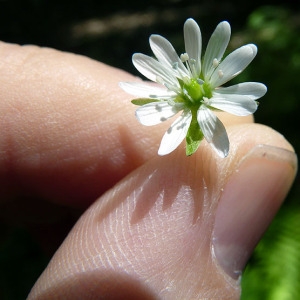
{"points": [[251, 198]]}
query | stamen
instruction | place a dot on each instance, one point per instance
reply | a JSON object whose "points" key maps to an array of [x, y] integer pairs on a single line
{"points": [[184, 57], [158, 108], [192, 62], [159, 80], [172, 88], [179, 74], [220, 73], [200, 81], [215, 62]]}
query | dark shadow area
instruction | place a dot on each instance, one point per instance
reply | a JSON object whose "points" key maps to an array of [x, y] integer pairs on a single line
{"points": [[108, 285]]}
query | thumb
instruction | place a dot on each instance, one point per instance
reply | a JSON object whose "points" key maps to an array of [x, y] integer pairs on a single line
{"points": [[178, 227]]}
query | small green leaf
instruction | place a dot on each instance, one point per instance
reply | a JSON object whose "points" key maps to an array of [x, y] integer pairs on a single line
{"points": [[143, 101], [194, 136]]}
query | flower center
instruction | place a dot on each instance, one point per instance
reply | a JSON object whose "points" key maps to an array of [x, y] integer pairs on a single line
{"points": [[194, 92]]}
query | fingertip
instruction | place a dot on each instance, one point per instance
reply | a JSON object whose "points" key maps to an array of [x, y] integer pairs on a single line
{"points": [[157, 225], [152, 226]]}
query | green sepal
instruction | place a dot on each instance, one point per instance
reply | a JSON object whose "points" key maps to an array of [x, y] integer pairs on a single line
{"points": [[143, 101], [194, 136]]}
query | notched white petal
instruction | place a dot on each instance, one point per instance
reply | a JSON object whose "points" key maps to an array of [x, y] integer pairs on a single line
{"points": [[239, 105], [165, 53], [155, 113], [233, 65], [175, 134], [213, 130], [193, 42], [145, 90], [216, 48], [152, 69], [254, 90]]}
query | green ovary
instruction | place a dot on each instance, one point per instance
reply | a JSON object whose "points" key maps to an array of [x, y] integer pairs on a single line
{"points": [[194, 90], [195, 93]]}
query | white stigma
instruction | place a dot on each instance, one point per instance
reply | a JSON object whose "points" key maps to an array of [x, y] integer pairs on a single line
{"points": [[186, 80]]}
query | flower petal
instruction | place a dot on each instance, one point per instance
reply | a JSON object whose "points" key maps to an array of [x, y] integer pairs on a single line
{"points": [[165, 53], [175, 134], [155, 113], [239, 105], [213, 130], [193, 42], [146, 90], [254, 90], [151, 68], [216, 48], [233, 65]]}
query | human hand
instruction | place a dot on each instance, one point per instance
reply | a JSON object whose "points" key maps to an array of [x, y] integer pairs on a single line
{"points": [[171, 227]]}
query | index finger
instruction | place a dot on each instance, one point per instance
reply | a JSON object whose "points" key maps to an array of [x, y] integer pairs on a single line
{"points": [[67, 129]]}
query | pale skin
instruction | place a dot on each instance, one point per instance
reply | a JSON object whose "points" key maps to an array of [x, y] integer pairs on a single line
{"points": [[69, 138]]}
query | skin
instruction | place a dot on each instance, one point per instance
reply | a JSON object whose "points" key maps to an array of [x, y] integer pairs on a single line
{"points": [[71, 146]]}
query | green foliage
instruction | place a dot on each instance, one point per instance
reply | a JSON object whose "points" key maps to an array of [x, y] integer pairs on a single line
{"points": [[273, 273]]}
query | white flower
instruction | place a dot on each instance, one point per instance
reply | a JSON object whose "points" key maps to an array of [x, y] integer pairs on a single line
{"points": [[192, 86]]}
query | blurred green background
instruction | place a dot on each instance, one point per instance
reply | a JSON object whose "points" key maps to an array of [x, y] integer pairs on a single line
{"points": [[111, 31]]}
